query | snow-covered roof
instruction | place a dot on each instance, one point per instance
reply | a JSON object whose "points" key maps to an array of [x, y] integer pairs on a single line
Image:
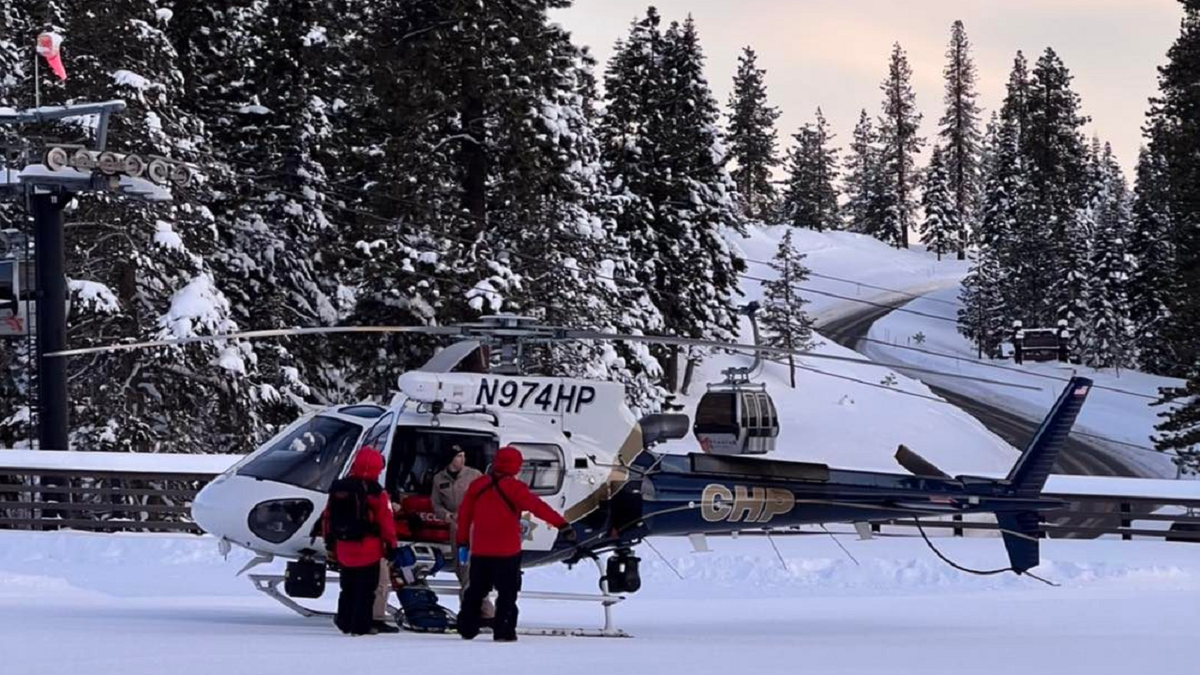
{"points": [[120, 462], [134, 187], [1113, 486], [59, 111]]}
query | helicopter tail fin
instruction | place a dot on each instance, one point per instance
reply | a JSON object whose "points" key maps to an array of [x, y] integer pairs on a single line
{"points": [[1029, 474], [1020, 531]]}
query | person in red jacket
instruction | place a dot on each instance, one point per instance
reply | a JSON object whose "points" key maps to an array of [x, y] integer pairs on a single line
{"points": [[359, 532], [489, 528]]}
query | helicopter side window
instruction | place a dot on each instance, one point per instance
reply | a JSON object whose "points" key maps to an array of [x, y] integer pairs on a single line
{"points": [[542, 470], [311, 456], [419, 453]]}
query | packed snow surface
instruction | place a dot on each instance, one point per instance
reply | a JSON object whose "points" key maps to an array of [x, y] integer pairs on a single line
{"points": [[148, 604], [1126, 416], [853, 268]]}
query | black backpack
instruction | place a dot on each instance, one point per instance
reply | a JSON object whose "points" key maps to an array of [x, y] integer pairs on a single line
{"points": [[350, 515]]}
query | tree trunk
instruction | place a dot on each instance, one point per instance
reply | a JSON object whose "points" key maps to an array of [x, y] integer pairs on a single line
{"points": [[687, 375], [669, 360], [473, 159], [792, 367]]}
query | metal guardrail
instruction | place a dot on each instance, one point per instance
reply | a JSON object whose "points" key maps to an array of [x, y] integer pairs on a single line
{"points": [[158, 501]]}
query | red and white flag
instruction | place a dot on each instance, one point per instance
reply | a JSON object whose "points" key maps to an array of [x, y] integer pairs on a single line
{"points": [[47, 46]]}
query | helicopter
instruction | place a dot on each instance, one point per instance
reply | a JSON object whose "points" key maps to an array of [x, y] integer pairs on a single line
{"points": [[592, 459]]}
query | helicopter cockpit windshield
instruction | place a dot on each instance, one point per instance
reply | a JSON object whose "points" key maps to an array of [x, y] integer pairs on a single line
{"points": [[311, 456]]}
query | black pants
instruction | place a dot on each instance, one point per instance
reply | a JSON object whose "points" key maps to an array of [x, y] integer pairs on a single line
{"points": [[487, 573], [357, 599]]}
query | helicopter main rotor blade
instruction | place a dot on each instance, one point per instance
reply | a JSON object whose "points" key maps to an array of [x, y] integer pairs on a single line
{"points": [[778, 351], [539, 333], [260, 334]]}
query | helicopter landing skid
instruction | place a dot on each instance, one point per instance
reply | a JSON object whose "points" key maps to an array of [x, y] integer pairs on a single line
{"points": [[268, 584]]}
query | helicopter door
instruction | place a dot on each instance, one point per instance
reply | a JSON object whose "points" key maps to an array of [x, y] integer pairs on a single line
{"points": [[544, 471], [379, 436]]}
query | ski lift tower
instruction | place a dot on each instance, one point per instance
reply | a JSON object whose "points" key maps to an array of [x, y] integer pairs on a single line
{"points": [[46, 179]]}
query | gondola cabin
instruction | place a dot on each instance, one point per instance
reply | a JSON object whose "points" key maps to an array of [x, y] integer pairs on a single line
{"points": [[17, 286], [736, 418]]}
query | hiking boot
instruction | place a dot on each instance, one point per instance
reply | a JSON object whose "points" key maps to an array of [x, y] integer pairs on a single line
{"points": [[384, 627]]}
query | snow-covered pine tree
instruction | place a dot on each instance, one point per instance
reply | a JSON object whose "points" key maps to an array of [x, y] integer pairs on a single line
{"points": [[1110, 327], [702, 278], [983, 318], [1179, 432], [16, 53], [811, 200], [899, 143], [662, 149], [1152, 250], [959, 133], [784, 321], [631, 130], [1018, 241], [1175, 124], [862, 171], [407, 243], [268, 256], [751, 136], [940, 231], [154, 266], [1050, 201], [503, 205], [989, 158], [1074, 287]]}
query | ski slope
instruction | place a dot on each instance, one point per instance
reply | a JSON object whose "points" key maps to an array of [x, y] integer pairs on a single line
{"points": [[1127, 420], [854, 267], [154, 604]]}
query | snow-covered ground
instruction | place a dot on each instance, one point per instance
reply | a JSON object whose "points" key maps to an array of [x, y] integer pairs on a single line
{"points": [[1110, 414], [829, 418], [869, 263], [854, 425], [149, 604]]}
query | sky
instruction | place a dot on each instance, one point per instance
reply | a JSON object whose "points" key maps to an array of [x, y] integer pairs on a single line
{"points": [[834, 53]]}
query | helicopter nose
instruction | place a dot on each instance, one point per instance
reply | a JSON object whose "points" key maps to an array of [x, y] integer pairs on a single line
{"points": [[261, 515], [215, 506]]}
